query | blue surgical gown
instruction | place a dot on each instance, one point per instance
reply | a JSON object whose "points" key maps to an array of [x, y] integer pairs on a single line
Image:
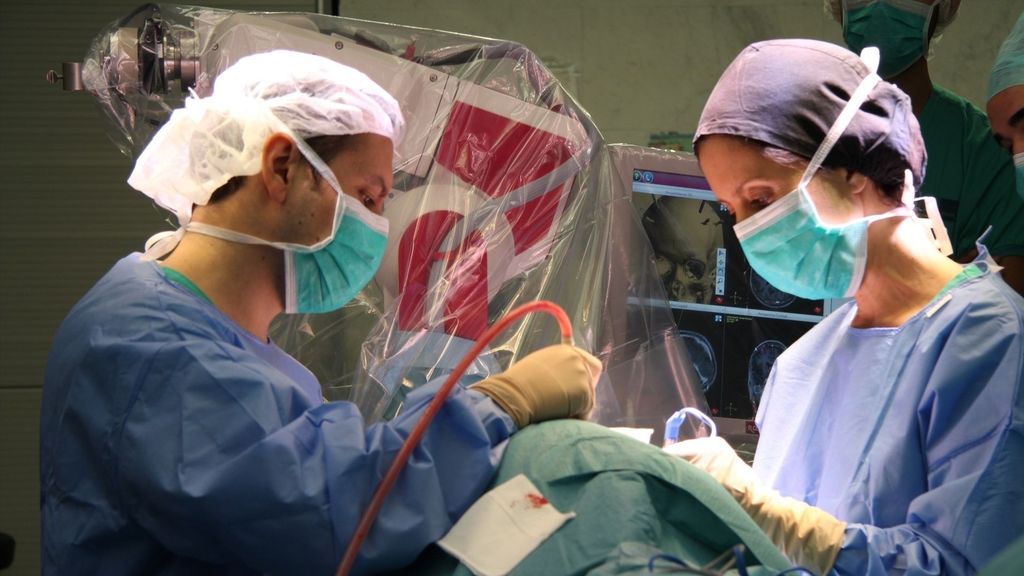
{"points": [[174, 442], [913, 435]]}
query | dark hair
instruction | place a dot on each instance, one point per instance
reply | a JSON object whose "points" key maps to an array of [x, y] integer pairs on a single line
{"points": [[326, 147], [888, 175]]}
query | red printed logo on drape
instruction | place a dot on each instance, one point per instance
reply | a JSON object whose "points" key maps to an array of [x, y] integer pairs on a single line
{"points": [[516, 163]]}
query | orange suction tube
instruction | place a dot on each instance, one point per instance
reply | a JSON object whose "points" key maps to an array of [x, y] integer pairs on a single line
{"points": [[366, 522]]}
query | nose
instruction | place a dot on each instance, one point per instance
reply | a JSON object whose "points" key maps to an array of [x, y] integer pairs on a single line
{"points": [[1018, 143]]}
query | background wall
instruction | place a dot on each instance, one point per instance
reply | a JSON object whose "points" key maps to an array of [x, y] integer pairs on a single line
{"points": [[647, 66], [638, 66], [66, 215]]}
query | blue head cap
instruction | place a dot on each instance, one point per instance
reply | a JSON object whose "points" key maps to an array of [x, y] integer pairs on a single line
{"points": [[1008, 69], [787, 94]]}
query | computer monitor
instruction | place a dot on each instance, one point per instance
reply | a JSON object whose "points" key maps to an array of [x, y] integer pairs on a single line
{"points": [[733, 322]]}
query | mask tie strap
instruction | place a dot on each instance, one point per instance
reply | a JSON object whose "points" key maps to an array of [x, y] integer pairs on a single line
{"points": [[162, 243], [346, 204], [869, 56], [937, 227], [325, 172], [225, 234], [933, 223]]}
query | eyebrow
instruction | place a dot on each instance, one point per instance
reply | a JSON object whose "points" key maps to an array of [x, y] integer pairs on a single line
{"points": [[1016, 118]]}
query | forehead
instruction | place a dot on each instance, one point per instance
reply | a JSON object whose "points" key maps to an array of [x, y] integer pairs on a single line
{"points": [[729, 163], [727, 157], [714, 147], [1004, 109], [365, 152]]}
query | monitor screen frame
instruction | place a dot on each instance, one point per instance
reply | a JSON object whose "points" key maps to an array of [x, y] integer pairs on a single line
{"points": [[628, 158]]}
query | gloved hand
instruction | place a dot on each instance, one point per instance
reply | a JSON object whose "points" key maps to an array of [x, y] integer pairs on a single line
{"points": [[553, 382], [809, 536]]}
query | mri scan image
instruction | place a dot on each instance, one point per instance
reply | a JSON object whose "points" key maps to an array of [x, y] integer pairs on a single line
{"points": [[769, 296], [702, 356], [761, 361]]}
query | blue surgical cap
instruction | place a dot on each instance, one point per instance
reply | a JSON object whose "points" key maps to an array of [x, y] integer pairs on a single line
{"points": [[787, 94], [1008, 69]]}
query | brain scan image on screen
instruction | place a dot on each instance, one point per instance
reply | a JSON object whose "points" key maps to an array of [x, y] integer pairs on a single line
{"points": [[686, 235], [769, 296], [733, 323], [761, 361], [702, 356]]}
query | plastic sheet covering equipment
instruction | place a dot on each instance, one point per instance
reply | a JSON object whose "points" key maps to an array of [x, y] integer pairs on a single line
{"points": [[504, 193]]}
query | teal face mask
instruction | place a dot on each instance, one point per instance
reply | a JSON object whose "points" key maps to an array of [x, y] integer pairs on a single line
{"points": [[789, 246], [1018, 164], [899, 28], [326, 279]]}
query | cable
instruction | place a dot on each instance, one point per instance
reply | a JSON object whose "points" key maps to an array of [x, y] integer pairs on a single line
{"points": [[428, 415], [797, 570], [733, 556], [722, 563], [682, 566], [741, 564]]}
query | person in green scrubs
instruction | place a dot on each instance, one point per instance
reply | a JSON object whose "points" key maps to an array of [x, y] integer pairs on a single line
{"points": [[971, 177], [1005, 100]]}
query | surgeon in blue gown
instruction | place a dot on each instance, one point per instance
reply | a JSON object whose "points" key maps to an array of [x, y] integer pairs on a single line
{"points": [[892, 433], [176, 438]]}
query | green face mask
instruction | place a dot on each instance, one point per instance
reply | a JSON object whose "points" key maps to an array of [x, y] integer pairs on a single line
{"points": [[899, 28], [1018, 164]]}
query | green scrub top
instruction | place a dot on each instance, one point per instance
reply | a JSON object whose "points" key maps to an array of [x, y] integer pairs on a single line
{"points": [[1009, 561], [970, 176]]}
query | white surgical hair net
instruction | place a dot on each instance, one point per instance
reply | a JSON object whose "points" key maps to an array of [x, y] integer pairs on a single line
{"points": [[215, 138], [947, 11]]}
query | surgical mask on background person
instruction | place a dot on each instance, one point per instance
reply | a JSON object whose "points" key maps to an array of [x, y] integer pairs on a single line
{"points": [[1018, 164], [899, 28], [790, 247], [327, 275]]}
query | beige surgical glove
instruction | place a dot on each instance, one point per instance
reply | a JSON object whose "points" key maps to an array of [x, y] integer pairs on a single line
{"points": [[809, 536], [553, 382]]}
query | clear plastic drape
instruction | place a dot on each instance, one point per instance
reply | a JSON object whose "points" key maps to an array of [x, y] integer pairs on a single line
{"points": [[504, 194]]}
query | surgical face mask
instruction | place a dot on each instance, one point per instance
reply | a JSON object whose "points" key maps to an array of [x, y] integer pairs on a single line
{"points": [[326, 279], [327, 275], [790, 247], [1018, 164], [899, 28]]}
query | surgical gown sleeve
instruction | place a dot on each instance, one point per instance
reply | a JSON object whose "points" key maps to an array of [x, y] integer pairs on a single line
{"points": [[970, 427], [212, 467]]}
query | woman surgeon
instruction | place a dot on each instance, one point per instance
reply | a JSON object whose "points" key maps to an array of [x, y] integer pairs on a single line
{"points": [[892, 433]]}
